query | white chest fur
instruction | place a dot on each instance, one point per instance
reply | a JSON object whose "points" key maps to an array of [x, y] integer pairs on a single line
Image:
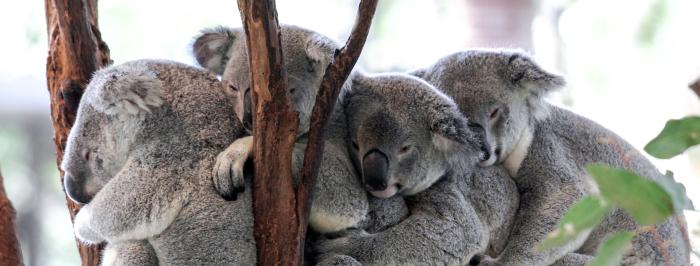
{"points": [[517, 155]]}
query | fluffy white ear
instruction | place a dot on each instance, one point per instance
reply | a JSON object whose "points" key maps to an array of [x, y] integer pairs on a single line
{"points": [[211, 48], [525, 73], [126, 90], [320, 51]]}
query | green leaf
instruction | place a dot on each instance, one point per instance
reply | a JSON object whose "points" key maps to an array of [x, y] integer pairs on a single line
{"points": [[677, 191], [645, 200], [610, 252], [585, 214], [677, 136]]}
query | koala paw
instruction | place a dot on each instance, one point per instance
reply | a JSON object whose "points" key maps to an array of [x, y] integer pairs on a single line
{"points": [[343, 244], [228, 176], [337, 260], [483, 260], [82, 228]]}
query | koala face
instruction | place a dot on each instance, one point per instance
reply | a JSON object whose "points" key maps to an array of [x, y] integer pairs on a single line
{"points": [[405, 134], [306, 56], [93, 154], [103, 133], [500, 91]]}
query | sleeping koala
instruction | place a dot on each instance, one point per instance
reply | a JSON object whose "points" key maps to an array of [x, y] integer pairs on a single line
{"points": [[139, 158], [545, 149], [339, 201], [409, 139]]}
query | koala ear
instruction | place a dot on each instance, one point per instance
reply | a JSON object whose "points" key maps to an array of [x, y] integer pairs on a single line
{"points": [[451, 131], [525, 73], [211, 48], [320, 51], [126, 90]]}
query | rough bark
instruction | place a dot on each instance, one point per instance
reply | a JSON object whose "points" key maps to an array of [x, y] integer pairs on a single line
{"points": [[281, 210], [9, 245], [76, 50], [274, 133], [336, 74]]}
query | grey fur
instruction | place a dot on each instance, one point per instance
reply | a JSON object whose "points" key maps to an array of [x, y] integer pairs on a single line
{"points": [[545, 148], [144, 168], [455, 212], [339, 201]]}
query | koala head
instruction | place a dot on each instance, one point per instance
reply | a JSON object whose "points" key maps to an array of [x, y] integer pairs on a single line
{"points": [[405, 134], [134, 112], [306, 56], [99, 140], [501, 91]]}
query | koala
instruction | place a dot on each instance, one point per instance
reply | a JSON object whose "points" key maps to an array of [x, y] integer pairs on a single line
{"points": [[139, 158], [545, 150], [339, 200], [410, 140]]}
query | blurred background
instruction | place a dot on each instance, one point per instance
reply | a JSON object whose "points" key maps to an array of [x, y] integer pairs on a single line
{"points": [[628, 63]]}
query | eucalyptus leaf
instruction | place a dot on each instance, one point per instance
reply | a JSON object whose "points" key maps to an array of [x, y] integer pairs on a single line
{"points": [[648, 202], [610, 252], [586, 214], [677, 136]]}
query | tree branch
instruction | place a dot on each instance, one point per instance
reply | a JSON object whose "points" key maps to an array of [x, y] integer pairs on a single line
{"points": [[335, 75], [75, 52], [9, 245], [281, 211], [274, 132], [695, 86]]}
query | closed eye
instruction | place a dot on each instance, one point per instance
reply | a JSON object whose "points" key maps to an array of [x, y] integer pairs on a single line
{"points": [[233, 88], [494, 113], [405, 149]]}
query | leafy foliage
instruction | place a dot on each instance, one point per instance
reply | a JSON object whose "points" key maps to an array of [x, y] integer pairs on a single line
{"points": [[584, 215], [677, 136], [645, 200], [610, 252]]}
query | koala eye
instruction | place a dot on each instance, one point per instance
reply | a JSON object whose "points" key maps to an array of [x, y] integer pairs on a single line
{"points": [[405, 149], [293, 90], [494, 113], [86, 155], [355, 146], [233, 88]]}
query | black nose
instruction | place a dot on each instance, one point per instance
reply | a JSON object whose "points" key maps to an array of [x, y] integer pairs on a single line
{"points": [[75, 190], [375, 165]]}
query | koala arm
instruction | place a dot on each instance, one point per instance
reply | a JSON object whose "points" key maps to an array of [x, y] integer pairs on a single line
{"points": [[228, 173], [442, 229], [541, 208], [139, 202], [339, 200]]}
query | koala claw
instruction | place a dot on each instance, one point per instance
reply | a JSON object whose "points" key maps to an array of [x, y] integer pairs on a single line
{"points": [[228, 175], [82, 228]]}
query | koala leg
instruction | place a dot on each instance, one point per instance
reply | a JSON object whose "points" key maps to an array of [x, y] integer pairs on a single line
{"points": [[228, 173], [139, 202], [138, 253], [443, 229]]}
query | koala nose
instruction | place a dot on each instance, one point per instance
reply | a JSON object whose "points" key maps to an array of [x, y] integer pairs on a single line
{"points": [[74, 190], [375, 166]]}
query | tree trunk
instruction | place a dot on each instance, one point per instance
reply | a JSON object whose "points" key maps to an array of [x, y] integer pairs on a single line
{"points": [[280, 209], [76, 50], [10, 254]]}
